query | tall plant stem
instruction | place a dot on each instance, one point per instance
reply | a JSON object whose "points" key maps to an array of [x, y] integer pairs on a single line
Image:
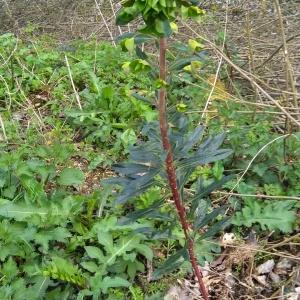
{"points": [[170, 168]]}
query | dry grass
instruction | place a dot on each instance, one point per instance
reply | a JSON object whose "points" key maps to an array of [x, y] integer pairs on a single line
{"points": [[263, 39]]}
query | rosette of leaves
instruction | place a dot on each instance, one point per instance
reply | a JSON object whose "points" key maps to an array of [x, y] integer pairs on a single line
{"points": [[159, 15]]}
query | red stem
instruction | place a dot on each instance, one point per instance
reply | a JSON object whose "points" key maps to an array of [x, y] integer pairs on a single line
{"points": [[170, 168]]}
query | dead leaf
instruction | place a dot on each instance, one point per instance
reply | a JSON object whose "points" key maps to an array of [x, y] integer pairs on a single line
{"points": [[266, 267]]}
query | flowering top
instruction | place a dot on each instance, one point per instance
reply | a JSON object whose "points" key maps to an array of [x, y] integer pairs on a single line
{"points": [[158, 15]]}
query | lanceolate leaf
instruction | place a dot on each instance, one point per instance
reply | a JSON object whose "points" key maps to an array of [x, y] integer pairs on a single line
{"points": [[204, 158], [171, 264], [216, 228], [150, 212], [203, 191], [182, 62], [202, 220], [20, 212], [211, 143], [200, 212], [137, 186], [132, 168]]}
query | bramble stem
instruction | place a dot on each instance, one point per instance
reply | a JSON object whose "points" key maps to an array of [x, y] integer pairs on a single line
{"points": [[170, 168]]}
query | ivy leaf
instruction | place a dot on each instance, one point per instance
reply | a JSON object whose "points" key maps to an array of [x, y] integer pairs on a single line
{"points": [[179, 64], [71, 176]]}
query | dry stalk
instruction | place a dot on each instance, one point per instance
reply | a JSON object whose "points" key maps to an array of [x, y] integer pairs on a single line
{"points": [[289, 70], [219, 66], [246, 75], [3, 128], [105, 23], [72, 82]]}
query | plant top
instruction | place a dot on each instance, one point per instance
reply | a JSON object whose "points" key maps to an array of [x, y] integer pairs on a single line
{"points": [[159, 15]]}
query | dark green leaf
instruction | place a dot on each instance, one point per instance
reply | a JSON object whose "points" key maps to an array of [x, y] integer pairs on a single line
{"points": [[200, 211], [179, 64], [201, 220], [126, 15], [204, 158], [150, 212], [216, 228], [203, 191], [171, 264]]}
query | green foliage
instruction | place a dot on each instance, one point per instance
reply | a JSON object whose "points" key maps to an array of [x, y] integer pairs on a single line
{"points": [[272, 215], [158, 15], [71, 176], [63, 270], [110, 112], [59, 241], [47, 237]]}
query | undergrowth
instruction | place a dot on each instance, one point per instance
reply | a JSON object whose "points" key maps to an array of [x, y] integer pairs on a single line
{"points": [[61, 241]]}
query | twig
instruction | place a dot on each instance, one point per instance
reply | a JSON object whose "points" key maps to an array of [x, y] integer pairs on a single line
{"points": [[255, 156], [289, 70], [3, 128], [114, 13], [72, 82], [246, 75], [219, 66], [257, 196], [105, 23], [276, 51]]}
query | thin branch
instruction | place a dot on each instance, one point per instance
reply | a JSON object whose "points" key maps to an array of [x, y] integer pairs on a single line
{"points": [[219, 65], [72, 82], [3, 129], [105, 23], [255, 156], [261, 196], [246, 75], [289, 70], [114, 13]]}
